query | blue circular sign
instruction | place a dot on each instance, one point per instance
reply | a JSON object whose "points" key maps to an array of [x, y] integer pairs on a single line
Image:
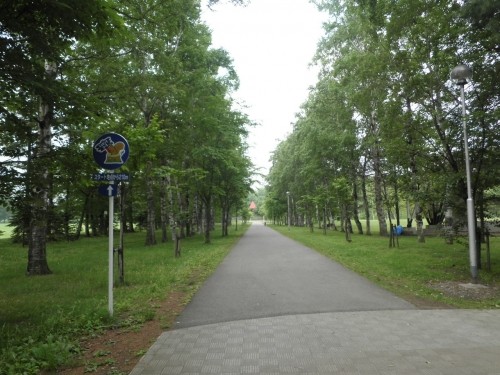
{"points": [[110, 151]]}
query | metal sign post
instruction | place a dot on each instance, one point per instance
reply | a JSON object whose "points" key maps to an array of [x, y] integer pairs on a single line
{"points": [[110, 152], [111, 212]]}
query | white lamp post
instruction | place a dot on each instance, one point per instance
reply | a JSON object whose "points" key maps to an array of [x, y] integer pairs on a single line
{"points": [[288, 200], [460, 75]]}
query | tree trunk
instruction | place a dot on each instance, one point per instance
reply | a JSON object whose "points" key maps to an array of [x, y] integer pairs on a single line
{"points": [[378, 178], [409, 215], [365, 200], [67, 215], [227, 219], [448, 226], [310, 218], [342, 218], [481, 210], [173, 219], [52, 225], [212, 216], [180, 215], [151, 214], [413, 162], [420, 223], [324, 219], [129, 210], [355, 211], [82, 217], [396, 198], [346, 223], [224, 220], [199, 215], [124, 194], [208, 219], [87, 218], [37, 252], [163, 210]]}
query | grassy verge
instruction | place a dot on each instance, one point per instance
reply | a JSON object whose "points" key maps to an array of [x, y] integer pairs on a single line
{"points": [[411, 270], [5, 230], [42, 319]]}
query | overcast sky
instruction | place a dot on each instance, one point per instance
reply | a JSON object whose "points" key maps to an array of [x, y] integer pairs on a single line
{"points": [[272, 43]]}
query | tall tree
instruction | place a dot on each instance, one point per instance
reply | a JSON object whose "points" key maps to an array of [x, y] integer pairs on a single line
{"points": [[34, 40]]}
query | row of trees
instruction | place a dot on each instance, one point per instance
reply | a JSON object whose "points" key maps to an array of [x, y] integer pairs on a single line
{"points": [[72, 71], [383, 123]]}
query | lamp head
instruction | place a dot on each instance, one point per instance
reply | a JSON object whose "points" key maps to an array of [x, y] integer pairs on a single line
{"points": [[460, 74]]}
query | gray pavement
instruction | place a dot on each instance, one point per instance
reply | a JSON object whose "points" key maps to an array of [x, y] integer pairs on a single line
{"points": [[268, 274], [276, 307]]}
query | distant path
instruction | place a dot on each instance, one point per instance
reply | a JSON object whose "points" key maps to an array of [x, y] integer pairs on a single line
{"points": [[268, 274]]}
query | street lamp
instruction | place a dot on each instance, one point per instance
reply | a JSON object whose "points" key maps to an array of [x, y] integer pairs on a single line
{"points": [[460, 75], [288, 200]]}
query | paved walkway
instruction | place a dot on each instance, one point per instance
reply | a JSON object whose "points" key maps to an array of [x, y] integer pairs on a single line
{"points": [[276, 307]]}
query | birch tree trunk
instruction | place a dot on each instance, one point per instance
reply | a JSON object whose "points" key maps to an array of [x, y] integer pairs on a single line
{"points": [[415, 186], [37, 252], [366, 204], [378, 179], [379, 201]]}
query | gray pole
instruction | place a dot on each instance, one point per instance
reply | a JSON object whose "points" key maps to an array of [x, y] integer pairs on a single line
{"points": [[288, 200], [471, 221]]}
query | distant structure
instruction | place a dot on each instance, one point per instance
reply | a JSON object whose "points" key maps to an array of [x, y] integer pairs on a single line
{"points": [[252, 206]]}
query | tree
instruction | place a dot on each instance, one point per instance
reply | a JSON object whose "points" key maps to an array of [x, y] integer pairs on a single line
{"points": [[389, 65], [157, 81], [483, 16], [34, 40]]}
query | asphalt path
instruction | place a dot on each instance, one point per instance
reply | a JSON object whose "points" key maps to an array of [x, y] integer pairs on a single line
{"points": [[268, 275]]}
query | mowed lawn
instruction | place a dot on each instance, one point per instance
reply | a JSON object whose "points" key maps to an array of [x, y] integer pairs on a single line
{"points": [[42, 318], [5, 230]]}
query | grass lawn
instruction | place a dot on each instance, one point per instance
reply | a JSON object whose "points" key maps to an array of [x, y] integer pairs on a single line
{"points": [[5, 230], [413, 270], [43, 318]]}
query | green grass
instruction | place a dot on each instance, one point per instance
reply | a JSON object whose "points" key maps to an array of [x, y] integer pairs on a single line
{"points": [[5, 230], [408, 270], [43, 318]]}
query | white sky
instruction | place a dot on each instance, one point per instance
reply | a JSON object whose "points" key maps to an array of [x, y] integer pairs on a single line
{"points": [[272, 43]]}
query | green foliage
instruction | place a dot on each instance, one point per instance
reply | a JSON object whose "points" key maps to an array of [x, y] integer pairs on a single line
{"points": [[31, 355], [483, 15], [53, 352], [44, 318], [385, 116], [5, 214], [145, 69], [246, 215]]}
